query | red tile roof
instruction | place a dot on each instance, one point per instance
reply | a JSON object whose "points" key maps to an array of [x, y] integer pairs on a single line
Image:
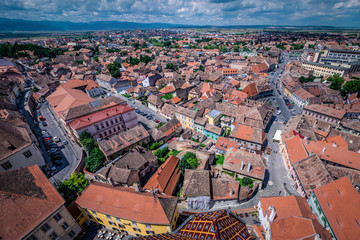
{"points": [[26, 199], [295, 149], [166, 177], [340, 203], [224, 143]]}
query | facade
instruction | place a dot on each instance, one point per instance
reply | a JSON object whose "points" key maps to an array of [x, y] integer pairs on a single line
{"points": [[324, 113], [212, 131], [17, 149], [230, 72], [320, 69], [101, 118], [31, 208], [336, 206], [186, 117], [213, 117], [340, 56], [199, 124], [301, 97], [249, 137], [117, 210], [106, 81]]}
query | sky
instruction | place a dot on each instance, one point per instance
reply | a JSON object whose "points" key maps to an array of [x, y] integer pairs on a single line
{"points": [[337, 13]]}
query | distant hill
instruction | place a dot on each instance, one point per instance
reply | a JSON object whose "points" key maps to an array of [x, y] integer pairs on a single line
{"points": [[19, 25]]}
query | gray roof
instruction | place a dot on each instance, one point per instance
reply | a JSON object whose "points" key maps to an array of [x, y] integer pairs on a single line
{"points": [[214, 113], [196, 183]]}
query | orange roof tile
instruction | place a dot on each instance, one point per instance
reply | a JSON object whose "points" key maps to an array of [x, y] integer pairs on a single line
{"points": [[168, 89], [295, 149], [251, 90], [340, 203], [175, 100], [224, 143], [166, 177], [119, 202]]}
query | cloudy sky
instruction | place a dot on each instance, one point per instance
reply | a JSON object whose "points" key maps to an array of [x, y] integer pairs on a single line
{"points": [[197, 12]]}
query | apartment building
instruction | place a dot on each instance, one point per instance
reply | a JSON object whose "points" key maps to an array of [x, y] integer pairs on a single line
{"points": [[148, 214], [340, 56], [324, 113], [186, 117], [32, 209]]}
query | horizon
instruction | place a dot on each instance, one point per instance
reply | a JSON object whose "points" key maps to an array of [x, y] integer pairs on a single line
{"points": [[217, 13]]}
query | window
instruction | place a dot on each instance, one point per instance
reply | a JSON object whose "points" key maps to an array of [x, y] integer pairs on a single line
{"points": [[118, 128], [114, 129], [110, 131], [112, 223], [97, 127], [45, 227], [32, 237], [148, 226], [100, 135], [111, 122], [134, 223], [107, 124], [102, 125], [116, 120], [108, 217], [57, 217], [27, 154], [120, 225], [65, 226], [53, 236], [99, 220], [105, 134], [7, 165], [136, 229], [71, 234]]}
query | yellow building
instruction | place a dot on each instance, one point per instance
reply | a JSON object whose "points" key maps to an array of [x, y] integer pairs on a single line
{"points": [[32, 209], [186, 117], [214, 116], [320, 69], [123, 209]]}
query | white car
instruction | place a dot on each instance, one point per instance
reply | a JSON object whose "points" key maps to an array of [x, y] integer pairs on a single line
{"points": [[278, 112], [56, 139]]}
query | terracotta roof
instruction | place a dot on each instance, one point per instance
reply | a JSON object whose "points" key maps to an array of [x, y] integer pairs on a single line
{"points": [[26, 199], [176, 100], [213, 129], [65, 98], [295, 149], [295, 227], [170, 127], [239, 161], [123, 140], [312, 173], [251, 90], [248, 133], [99, 116], [303, 94], [223, 189], [340, 203], [224, 143], [196, 183], [119, 202], [334, 154], [166, 177], [168, 89], [318, 108]]}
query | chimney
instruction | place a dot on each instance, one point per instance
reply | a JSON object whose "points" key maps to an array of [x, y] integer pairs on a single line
{"points": [[249, 167], [323, 149], [334, 144], [242, 165], [272, 213], [127, 167]]}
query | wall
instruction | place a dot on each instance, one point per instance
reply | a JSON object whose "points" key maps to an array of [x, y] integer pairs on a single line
{"points": [[19, 160], [55, 226]]}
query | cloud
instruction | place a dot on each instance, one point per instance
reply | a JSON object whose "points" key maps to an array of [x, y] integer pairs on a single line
{"points": [[194, 12]]}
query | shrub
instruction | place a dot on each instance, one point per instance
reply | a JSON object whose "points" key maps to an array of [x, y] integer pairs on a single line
{"points": [[154, 146]]}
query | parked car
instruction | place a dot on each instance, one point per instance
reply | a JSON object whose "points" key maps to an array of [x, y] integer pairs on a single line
{"points": [[157, 121], [64, 142], [47, 139], [41, 118], [278, 112], [57, 157], [46, 136], [56, 139], [44, 123], [39, 113], [37, 107], [43, 132], [51, 145], [57, 162]]}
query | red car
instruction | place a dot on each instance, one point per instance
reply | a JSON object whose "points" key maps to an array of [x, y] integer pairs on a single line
{"points": [[47, 139], [157, 121], [41, 118]]}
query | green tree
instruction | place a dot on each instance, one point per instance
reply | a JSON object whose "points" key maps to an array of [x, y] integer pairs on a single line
{"points": [[160, 153], [351, 87], [336, 82], [223, 48], [71, 187], [96, 59], [114, 69], [169, 66], [236, 48], [201, 68], [188, 161], [155, 145]]}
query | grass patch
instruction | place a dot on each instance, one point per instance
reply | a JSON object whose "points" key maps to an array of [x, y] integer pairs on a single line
{"points": [[126, 95], [160, 125], [167, 96], [229, 173], [219, 159]]}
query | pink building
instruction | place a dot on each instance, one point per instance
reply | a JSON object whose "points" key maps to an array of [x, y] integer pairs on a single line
{"points": [[102, 118]]}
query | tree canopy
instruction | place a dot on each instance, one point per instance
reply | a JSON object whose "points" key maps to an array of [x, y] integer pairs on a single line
{"points": [[336, 82], [351, 87], [70, 187], [114, 69], [94, 161], [188, 161], [15, 51]]}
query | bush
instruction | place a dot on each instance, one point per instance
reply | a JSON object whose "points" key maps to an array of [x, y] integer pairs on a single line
{"points": [[160, 153], [154, 146], [167, 96], [246, 181], [96, 157], [336, 82], [219, 159]]}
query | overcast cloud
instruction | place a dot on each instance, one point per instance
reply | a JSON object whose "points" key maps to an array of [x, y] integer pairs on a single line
{"points": [[194, 12]]}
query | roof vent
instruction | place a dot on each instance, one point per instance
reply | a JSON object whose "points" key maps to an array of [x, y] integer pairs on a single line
{"points": [[323, 149]]}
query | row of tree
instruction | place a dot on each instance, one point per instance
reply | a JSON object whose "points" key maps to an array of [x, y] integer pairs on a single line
{"points": [[17, 50], [95, 160]]}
